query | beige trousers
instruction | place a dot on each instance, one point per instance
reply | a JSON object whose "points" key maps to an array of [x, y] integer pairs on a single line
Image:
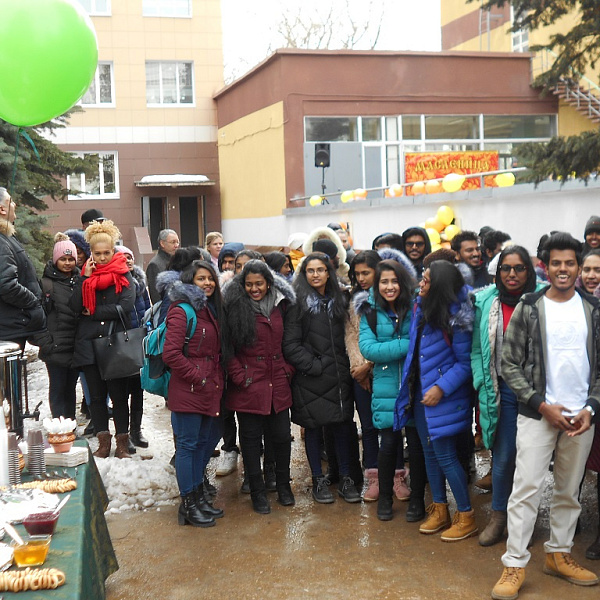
{"points": [[536, 440]]}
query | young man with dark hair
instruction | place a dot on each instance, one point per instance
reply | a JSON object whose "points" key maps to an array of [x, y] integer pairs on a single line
{"points": [[466, 246], [550, 361], [491, 244], [416, 245]]}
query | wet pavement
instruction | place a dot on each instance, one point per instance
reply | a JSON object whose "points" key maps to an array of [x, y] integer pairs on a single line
{"points": [[312, 551]]}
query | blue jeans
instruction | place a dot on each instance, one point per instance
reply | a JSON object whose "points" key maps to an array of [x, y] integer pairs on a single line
{"points": [[370, 435], [504, 451], [194, 434], [62, 391], [441, 461]]}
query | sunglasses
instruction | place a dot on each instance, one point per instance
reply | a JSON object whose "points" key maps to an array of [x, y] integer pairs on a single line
{"points": [[517, 268]]}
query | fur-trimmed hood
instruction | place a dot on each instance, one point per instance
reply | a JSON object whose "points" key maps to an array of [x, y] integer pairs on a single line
{"points": [[466, 272], [400, 257], [6, 228], [325, 232], [165, 280], [462, 313], [188, 292], [362, 302], [139, 278]]}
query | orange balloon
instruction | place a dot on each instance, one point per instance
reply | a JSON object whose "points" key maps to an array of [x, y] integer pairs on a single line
{"points": [[434, 223], [418, 188], [395, 190], [433, 187], [446, 245], [360, 193]]}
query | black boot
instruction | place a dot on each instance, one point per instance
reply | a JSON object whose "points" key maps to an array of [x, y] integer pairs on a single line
{"points": [[285, 496], [209, 488], [416, 509], [190, 514], [204, 504], [130, 447], [347, 490], [384, 507], [258, 495], [270, 480], [135, 429], [320, 490]]}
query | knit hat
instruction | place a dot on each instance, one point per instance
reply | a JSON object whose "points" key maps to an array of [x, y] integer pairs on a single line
{"points": [[327, 247], [64, 248], [76, 236], [296, 240], [593, 224], [125, 250]]}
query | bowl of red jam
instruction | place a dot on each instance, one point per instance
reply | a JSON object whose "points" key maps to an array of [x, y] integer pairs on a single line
{"points": [[41, 523]]}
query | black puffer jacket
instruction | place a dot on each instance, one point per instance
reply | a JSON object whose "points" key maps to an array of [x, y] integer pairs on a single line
{"points": [[313, 342], [62, 321], [21, 312], [97, 325]]}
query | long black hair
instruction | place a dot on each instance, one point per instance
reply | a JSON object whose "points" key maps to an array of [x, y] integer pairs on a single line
{"points": [[277, 259], [446, 282], [183, 257], [187, 276], [332, 289], [505, 296], [367, 257], [407, 284]]}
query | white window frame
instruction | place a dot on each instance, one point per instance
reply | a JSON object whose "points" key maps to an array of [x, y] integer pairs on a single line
{"points": [[519, 38], [160, 13], [101, 196], [98, 104], [160, 64], [94, 12]]}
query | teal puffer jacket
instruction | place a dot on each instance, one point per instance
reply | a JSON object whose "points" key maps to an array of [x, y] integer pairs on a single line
{"points": [[386, 348]]}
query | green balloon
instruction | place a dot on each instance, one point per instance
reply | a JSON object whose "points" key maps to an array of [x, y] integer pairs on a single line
{"points": [[48, 57]]}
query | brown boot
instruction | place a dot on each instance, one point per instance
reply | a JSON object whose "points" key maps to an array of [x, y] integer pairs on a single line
{"points": [[494, 531], [438, 518], [561, 564], [122, 444], [508, 586], [463, 527], [485, 483], [103, 444]]}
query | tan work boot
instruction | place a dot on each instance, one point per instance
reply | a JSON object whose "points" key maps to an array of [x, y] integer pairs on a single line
{"points": [[494, 531], [508, 586], [438, 518], [104, 438], [562, 564], [122, 445], [463, 527]]}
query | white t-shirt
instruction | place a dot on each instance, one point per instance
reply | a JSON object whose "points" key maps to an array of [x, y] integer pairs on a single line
{"points": [[567, 363]]}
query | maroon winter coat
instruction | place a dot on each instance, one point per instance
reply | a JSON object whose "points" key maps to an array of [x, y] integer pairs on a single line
{"points": [[196, 384], [258, 375]]}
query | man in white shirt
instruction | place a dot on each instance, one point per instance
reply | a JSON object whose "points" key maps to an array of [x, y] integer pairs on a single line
{"points": [[550, 360]]}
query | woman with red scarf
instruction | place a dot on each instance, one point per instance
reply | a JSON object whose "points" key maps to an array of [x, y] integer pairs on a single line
{"points": [[105, 283]]}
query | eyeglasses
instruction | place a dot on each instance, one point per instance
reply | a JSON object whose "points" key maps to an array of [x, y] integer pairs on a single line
{"points": [[509, 268], [319, 271], [416, 244]]}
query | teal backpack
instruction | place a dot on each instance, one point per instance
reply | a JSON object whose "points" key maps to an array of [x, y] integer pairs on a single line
{"points": [[154, 374]]}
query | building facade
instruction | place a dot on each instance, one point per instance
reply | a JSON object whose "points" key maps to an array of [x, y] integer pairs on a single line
{"points": [[150, 120]]}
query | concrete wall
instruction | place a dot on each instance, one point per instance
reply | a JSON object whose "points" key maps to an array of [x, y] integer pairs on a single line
{"points": [[522, 211]]}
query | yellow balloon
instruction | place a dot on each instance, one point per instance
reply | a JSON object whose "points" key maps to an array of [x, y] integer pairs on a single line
{"points": [[433, 223], [445, 215], [505, 179], [418, 188], [451, 231], [453, 182], [315, 200], [360, 193], [434, 236], [395, 190], [435, 247], [433, 187], [347, 196]]}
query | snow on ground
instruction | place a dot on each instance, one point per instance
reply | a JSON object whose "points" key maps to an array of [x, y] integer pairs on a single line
{"points": [[147, 480]]}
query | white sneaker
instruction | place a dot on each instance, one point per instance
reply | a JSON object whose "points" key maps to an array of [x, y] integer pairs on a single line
{"points": [[228, 464]]}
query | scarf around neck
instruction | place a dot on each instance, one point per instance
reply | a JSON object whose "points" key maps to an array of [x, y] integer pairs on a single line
{"points": [[103, 277], [265, 306]]}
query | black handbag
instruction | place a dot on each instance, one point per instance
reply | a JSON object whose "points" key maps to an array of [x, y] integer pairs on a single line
{"points": [[121, 353]]}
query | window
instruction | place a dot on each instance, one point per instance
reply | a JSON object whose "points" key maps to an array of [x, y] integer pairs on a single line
{"points": [[411, 127], [452, 128], [519, 126], [103, 185], [96, 7], [519, 38], [371, 129], [331, 129], [169, 83], [167, 8], [100, 92]]}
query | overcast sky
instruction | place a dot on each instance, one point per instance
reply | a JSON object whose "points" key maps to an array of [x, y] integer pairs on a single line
{"points": [[250, 27]]}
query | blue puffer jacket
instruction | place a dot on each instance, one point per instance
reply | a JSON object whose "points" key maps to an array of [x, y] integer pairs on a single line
{"points": [[444, 361], [387, 349]]}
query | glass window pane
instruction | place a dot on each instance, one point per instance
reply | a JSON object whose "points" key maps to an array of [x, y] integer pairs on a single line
{"points": [[92, 184], [102, 6], [152, 83], [90, 96], [105, 83], [393, 164], [519, 126], [74, 184], [87, 5], [411, 127], [391, 129], [452, 127], [169, 83], [371, 129], [506, 158], [108, 166], [331, 129], [450, 147], [186, 88], [181, 8]]}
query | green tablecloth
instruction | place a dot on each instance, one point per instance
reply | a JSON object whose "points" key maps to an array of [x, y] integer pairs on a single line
{"points": [[81, 545]]}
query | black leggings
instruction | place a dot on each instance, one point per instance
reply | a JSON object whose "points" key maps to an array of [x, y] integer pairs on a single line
{"points": [[118, 390]]}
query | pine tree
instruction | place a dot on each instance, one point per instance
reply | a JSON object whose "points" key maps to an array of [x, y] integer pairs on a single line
{"points": [[576, 50], [35, 179]]}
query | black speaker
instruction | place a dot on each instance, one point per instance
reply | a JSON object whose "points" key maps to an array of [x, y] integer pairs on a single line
{"points": [[322, 155]]}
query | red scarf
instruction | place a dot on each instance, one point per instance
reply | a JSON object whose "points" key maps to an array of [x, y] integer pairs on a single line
{"points": [[105, 276]]}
